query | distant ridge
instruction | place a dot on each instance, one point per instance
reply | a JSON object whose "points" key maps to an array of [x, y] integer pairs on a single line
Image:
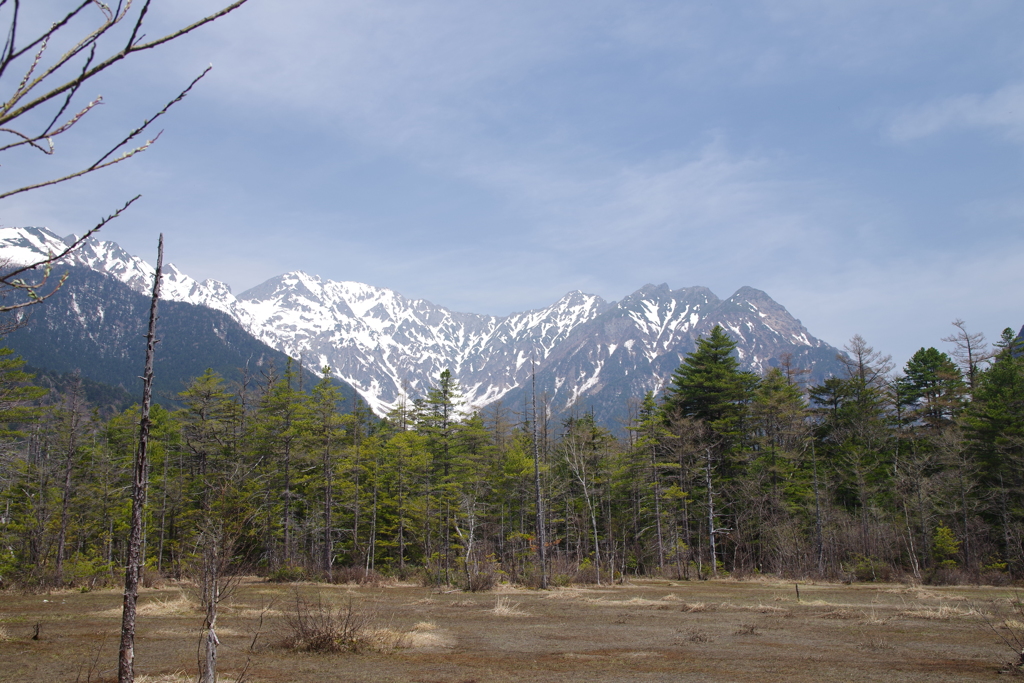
{"points": [[590, 353], [96, 325]]}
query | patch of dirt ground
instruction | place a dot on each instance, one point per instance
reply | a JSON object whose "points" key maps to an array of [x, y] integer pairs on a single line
{"points": [[648, 630]]}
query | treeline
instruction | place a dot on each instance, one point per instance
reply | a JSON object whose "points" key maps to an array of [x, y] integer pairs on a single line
{"points": [[871, 475]]}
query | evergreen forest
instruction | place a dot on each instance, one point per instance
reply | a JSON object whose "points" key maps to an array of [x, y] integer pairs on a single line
{"points": [[882, 473]]}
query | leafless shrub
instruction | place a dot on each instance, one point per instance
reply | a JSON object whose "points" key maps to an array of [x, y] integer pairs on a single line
{"points": [[1010, 629], [359, 576], [322, 627], [698, 637], [483, 579], [877, 645], [151, 578]]}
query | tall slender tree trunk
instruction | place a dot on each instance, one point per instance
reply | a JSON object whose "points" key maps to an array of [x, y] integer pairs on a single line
{"points": [[711, 515], [126, 652], [211, 592], [372, 551], [657, 510], [288, 503], [163, 518], [69, 461], [541, 536], [819, 540], [328, 505]]}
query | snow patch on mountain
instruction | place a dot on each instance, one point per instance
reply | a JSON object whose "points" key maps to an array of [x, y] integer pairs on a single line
{"points": [[390, 347]]}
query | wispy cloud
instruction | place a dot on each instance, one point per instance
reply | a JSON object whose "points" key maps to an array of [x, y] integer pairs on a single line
{"points": [[1002, 110], [490, 157], [902, 304]]}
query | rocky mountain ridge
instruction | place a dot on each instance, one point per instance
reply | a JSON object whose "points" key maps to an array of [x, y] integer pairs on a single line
{"points": [[586, 351]]}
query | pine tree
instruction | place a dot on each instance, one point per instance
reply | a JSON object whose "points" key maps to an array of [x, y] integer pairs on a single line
{"points": [[709, 386], [439, 423], [995, 429], [934, 386], [279, 419], [324, 432]]}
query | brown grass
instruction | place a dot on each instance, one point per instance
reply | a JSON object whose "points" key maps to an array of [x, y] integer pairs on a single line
{"points": [[712, 631], [942, 612], [503, 607]]}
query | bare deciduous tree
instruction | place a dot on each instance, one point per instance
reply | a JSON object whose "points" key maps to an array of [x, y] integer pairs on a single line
{"points": [[864, 363], [971, 351]]}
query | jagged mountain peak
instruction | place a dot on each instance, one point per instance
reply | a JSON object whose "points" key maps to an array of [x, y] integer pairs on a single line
{"points": [[590, 351]]}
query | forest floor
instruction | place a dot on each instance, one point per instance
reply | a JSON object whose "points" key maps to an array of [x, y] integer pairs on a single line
{"points": [[648, 630]]}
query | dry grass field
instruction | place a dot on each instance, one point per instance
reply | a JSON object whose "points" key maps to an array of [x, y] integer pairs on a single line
{"points": [[650, 631]]}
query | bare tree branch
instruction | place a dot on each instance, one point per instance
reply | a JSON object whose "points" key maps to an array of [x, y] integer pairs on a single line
{"points": [[11, 280], [42, 81], [102, 161], [110, 61]]}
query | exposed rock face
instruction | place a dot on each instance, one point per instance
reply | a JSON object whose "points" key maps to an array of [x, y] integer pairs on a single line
{"points": [[588, 352]]}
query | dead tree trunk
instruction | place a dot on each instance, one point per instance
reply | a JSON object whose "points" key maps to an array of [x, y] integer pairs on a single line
{"points": [[126, 653], [211, 596]]}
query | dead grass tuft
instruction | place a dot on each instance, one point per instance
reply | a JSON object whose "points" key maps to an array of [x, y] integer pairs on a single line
{"points": [[504, 607], [160, 607], [641, 602], [941, 613], [817, 603], [919, 593], [178, 677], [696, 607], [841, 614], [386, 640], [760, 608], [425, 635], [179, 604]]}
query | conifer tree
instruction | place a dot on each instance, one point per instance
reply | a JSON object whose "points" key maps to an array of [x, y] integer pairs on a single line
{"points": [[279, 418], [324, 434], [709, 386], [439, 423], [934, 387]]}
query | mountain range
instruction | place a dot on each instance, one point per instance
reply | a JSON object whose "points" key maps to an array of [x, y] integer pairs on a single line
{"points": [[586, 352]]}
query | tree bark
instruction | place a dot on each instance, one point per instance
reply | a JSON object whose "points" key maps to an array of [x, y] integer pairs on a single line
{"points": [[541, 539], [126, 653]]}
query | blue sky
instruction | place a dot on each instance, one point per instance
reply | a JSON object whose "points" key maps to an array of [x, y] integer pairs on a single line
{"points": [[859, 161]]}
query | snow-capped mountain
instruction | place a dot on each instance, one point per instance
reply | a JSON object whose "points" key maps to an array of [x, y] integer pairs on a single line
{"points": [[635, 345], [389, 344], [24, 246], [586, 350]]}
